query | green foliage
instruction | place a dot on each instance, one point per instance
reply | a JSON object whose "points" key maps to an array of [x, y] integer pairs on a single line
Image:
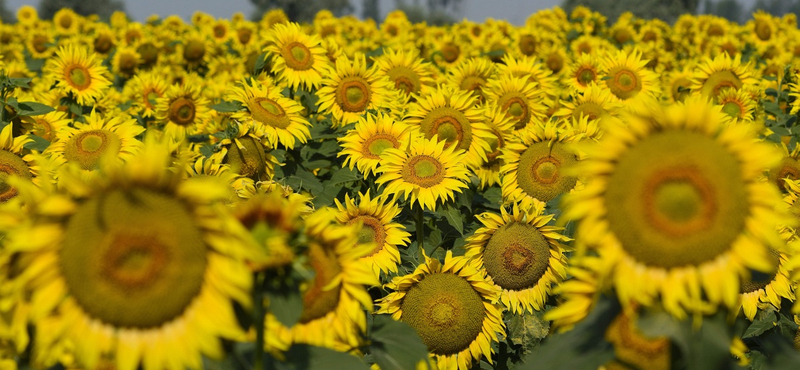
{"points": [[395, 345]]}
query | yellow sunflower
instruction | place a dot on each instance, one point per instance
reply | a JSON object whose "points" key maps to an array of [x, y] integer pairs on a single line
{"points": [[297, 57], [595, 104], [677, 84], [409, 73], [671, 207], [632, 347], [521, 254], [364, 143], [502, 129], [769, 292], [271, 115], [518, 98], [78, 71], [40, 43], [787, 169], [452, 116], [712, 76], [334, 303], [66, 21], [426, 172], [584, 72], [27, 15], [626, 77], [376, 216], [101, 137], [471, 75], [532, 69], [534, 167], [737, 104], [46, 126], [579, 294], [13, 162], [126, 61], [351, 89], [183, 111], [452, 306], [131, 269], [144, 90]]}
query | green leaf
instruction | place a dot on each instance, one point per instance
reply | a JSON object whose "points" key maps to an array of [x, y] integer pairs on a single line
{"points": [[396, 345], [20, 82], [780, 130], [453, 216], [286, 305], [38, 143], [305, 357], [227, 106], [260, 63], [303, 179], [29, 108], [527, 330], [765, 320], [344, 176], [494, 196]]}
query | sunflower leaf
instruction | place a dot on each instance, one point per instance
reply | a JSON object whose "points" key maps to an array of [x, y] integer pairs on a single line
{"points": [[306, 357], [453, 216], [765, 320], [29, 108], [344, 176], [227, 106], [396, 345], [38, 143]]}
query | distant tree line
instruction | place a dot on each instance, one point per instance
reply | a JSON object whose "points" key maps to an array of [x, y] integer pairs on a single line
{"points": [[736, 12]]}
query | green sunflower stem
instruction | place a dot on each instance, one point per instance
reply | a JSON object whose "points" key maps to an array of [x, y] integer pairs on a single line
{"points": [[259, 313], [420, 233]]}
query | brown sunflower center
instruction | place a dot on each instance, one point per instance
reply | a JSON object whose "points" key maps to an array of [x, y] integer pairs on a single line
{"points": [[297, 56], [78, 77], [133, 258], [182, 111], [527, 45], [376, 144], [148, 52], [788, 169], [517, 256], [590, 110], [555, 62], [733, 109], [150, 95], [496, 143], [268, 112], [516, 106], [405, 79], [763, 30], [446, 312], [43, 129], [40, 43], [194, 51], [353, 94], [103, 44], [127, 62], [586, 75], [539, 172], [11, 164], [88, 147], [424, 171], [474, 84], [624, 82], [450, 52], [450, 124], [317, 301], [677, 198], [371, 232]]}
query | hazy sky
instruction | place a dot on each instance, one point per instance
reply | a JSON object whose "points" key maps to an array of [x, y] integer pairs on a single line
{"points": [[515, 11]]}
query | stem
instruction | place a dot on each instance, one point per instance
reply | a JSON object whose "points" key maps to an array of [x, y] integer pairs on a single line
{"points": [[258, 311], [420, 233]]}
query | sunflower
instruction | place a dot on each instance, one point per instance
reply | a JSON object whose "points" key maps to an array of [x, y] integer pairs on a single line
{"points": [[677, 84], [13, 162], [100, 138], [532, 69], [351, 89], [130, 269], [626, 76], [453, 117], [46, 126], [376, 216], [144, 89], [502, 128], [364, 143], [426, 172], [27, 15], [737, 104], [518, 98], [334, 302], [632, 347], [584, 72], [763, 29], [182, 111], [471, 75], [521, 254], [104, 40], [66, 21], [298, 58], [125, 62], [771, 290], [79, 72], [448, 51], [712, 76], [579, 294], [686, 184], [787, 169], [271, 115], [409, 73], [595, 103], [453, 308], [534, 167]]}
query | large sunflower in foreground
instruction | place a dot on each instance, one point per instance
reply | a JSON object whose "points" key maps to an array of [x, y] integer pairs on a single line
{"points": [[453, 308], [376, 216], [521, 254], [675, 208], [130, 269], [350, 89], [79, 72], [364, 144], [533, 169], [271, 115], [426, 172], [334, 301], [453, 117], [297, 57]]}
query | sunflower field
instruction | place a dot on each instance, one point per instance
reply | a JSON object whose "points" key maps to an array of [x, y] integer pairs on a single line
{"points": [[567, 194]]}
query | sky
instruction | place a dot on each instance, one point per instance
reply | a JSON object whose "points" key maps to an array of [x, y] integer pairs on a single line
{"points": [[515, 11]]}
